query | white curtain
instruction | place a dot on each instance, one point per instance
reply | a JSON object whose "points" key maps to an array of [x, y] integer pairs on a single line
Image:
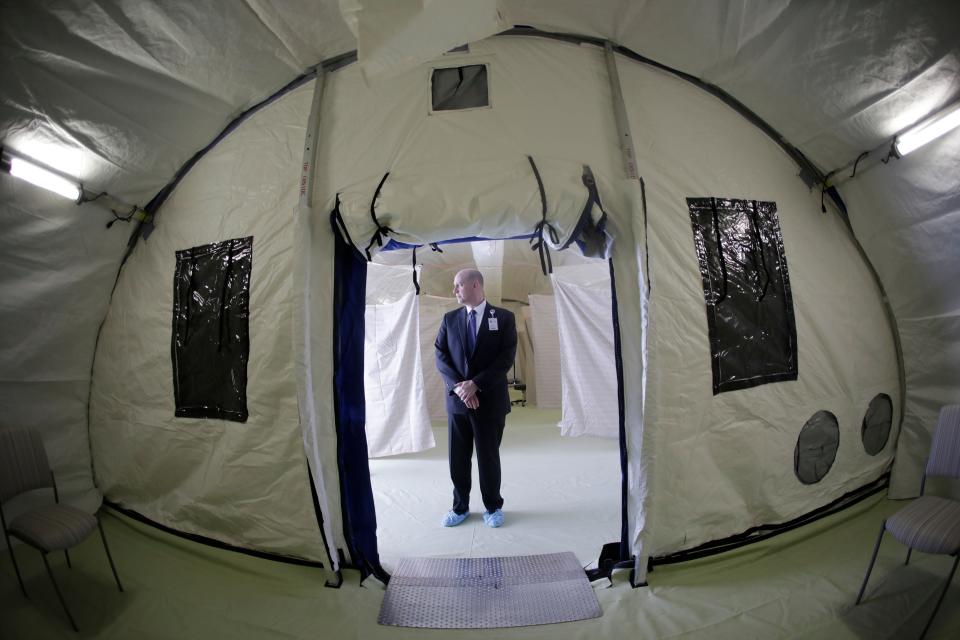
{"points": [[587, 361], [397, 418], [546, 350], [526, 367], [432, 309]]}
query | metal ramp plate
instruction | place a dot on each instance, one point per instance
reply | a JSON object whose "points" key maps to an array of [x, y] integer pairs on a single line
{"points": [[485, 593]]}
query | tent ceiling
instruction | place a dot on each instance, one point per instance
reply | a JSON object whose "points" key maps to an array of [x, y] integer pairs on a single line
{"points": [[134, 88]]}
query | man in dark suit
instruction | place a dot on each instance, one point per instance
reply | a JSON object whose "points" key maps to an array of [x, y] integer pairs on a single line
{"points": [[475, 349]]}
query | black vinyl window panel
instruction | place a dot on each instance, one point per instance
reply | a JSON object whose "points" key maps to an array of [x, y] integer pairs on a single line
{"points": [[746, 288], [211, 337], [459, 88]]}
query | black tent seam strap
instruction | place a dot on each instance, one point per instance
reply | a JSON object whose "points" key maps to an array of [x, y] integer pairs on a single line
{"points": [[382, 231], [646, 233], [416, 285], [210, 542], [538, 242]]}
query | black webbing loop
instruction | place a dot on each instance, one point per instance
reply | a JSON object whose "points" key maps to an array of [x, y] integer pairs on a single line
{"points": [[646, 233], [416, 285], [382, 230], [435, 247], [546, 264], [857, 162], [758, 249], [723, 263]]}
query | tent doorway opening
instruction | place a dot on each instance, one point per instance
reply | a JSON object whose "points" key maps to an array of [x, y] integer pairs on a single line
{"points": [[561, 450]]}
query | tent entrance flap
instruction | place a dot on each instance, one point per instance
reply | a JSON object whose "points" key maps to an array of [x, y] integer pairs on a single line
{"points": [[359, 516]]}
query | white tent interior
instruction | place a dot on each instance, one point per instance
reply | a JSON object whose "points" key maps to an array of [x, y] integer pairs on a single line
{"points": [[190, 125]]}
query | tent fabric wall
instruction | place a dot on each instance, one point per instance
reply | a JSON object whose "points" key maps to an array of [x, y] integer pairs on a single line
{"points": [[724, 463], [243, 484], [918, 262], [588, 371], [131, 91], [689, 144], [57, 265], [545, 337], [698, 136], [439, 169]]}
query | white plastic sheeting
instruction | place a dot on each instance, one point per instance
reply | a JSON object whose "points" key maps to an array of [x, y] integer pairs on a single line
{"points": [[432, 309], [244, 484], [545, 338], [397, 420], [588, 367]]}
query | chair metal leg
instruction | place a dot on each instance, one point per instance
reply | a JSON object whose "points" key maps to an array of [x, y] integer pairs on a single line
{"points": [[109, 557], [66, 554], [943, 592], [873, 559], [57, 589], [16, 569], [909, 551]]}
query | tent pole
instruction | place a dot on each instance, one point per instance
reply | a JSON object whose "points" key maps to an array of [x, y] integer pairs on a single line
{"points": [[638, 576], [620, 113], [302, 321]]}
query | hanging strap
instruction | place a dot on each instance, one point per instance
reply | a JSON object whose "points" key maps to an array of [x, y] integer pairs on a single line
{"points": [[382, 230], [416, 285], [723, 262], [546, 264], [646, 234]]}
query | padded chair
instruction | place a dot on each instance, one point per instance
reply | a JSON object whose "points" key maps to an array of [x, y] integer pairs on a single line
{"points": [[930, 524], [53, 527]]}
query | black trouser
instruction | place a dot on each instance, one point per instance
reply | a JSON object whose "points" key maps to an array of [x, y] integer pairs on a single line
{"points": [[465, 429]]}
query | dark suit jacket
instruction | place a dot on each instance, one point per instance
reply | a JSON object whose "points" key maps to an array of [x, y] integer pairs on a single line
{"points": [[492, 358]]}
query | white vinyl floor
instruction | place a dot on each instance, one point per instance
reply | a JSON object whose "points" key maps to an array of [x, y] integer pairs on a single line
{"points": [[560, 494]]}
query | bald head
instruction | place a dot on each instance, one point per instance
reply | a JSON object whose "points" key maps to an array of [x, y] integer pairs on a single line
{"points": [[468, 287]]}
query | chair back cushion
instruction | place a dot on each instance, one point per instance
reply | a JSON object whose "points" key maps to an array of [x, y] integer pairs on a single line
{"points": [[23, 462], [945, 448]]}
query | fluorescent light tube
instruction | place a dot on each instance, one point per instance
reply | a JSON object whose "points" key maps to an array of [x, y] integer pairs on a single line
{"points": [[931, 128], [41, 177]]}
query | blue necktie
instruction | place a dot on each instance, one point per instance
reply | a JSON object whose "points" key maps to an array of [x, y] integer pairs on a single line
{"points": [[471, 332]]}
